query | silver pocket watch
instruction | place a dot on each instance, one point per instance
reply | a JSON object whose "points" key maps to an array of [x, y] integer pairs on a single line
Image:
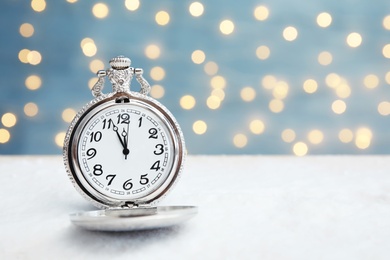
{"points": [[123, 152]]}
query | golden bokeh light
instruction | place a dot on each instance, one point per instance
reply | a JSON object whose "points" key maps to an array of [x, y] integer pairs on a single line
{"points": [[59, 139], [23, 55], [213, 102], [325, 58], [198, 57], [33, 82], [34, 57], [345, 135], [157, 91], [386, 51], [211, 68], [240, 140], [31, 109], [132, 5], [300, 149], [218, 82], [354, 40], [100, 10], [152, 51], [89, 49], [280, 91], [290, 33], [38, 5], [162, 18], [384, 108], [276, 105], [339, 106], [9, 119], [343, 90], [288, 135], [226, 27], [96, 65], [315, 136], [5, 136], [248, 94], [333, 80], [386, 22], [26, 30], [310, 86], [363, 138], [199, 127], [218, 93], [196, 9], [324, 19], [85, 41], [71, 1], [187, 102], [157, 73], [261, 13], [268, 82], [257, 126], [371, 81], [68, 114], [263, 52], [387, 77]]}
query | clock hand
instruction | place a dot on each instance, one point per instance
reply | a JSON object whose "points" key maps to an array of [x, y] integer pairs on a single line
{"points": [[119, 136], [126, 150], [127, 134]]}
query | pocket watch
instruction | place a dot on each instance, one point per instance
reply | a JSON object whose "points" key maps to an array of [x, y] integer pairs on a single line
{"points": [[123, 152]]}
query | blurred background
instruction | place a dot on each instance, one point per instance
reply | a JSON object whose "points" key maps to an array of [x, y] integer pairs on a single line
{"points": [[241, 77]]}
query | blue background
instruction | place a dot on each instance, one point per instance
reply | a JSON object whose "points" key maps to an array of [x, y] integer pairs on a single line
{"points": [[65, 72]]}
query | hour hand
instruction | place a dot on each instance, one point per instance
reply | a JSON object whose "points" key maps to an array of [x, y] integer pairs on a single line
{"points": [[126, 150]]}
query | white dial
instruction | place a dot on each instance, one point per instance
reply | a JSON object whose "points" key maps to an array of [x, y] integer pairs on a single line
{"points": [[125, 151]]}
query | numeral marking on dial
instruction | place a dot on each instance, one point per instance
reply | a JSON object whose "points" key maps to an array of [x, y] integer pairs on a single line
{"points": [[144, 180], [110, 178], [91, 152], [109, 123], [96, 136], [153, 133], [125, 118], [127, 185], [97, 170], [156, 166], [160, 149]]}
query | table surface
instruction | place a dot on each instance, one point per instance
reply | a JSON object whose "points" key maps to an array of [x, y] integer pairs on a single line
{"points": [[250, 207]]}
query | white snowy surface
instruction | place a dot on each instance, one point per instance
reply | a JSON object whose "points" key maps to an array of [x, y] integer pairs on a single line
{"points": [[250, 207]]}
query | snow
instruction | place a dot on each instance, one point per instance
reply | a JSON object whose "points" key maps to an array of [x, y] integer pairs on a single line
{"points": [[250, 207]]}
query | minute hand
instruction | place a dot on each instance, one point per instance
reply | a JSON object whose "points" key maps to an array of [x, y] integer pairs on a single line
{"points": [[119, 136]]}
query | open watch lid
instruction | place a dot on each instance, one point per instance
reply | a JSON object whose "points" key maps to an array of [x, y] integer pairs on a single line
{"points": [[133, 219]]}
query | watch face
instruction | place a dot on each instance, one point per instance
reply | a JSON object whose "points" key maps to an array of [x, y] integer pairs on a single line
{"points": [[125, 151]]}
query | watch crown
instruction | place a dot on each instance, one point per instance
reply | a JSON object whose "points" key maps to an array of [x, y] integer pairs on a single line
{"points": [[120, 63]]}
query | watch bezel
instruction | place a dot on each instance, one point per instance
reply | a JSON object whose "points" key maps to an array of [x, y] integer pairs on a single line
{"points": [[70, 154]]}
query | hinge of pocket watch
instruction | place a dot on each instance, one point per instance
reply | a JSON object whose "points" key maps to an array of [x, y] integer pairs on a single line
{"points": [[131, 209]]}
